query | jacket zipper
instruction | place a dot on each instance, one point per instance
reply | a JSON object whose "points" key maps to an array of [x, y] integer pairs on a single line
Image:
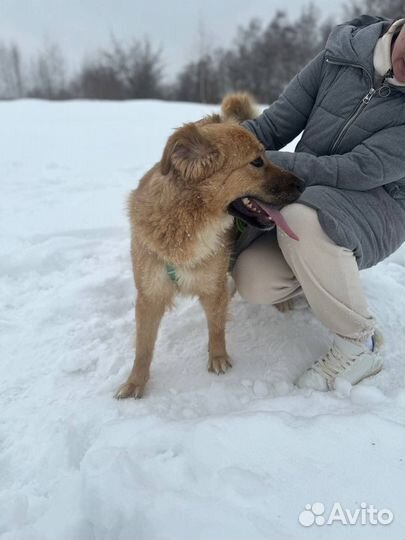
{"points": [[363, 104]]}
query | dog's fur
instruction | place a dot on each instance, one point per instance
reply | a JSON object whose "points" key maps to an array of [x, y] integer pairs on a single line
{"points": [[179, 216]]}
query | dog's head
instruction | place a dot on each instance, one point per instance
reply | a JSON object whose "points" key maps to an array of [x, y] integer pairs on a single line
{"points": [[228, 168]]}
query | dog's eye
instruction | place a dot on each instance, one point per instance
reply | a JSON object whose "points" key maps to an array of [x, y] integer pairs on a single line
{"points": [[258, 162]]}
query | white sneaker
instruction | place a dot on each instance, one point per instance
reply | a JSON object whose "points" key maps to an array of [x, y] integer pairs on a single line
{"points": [[347, 359]]}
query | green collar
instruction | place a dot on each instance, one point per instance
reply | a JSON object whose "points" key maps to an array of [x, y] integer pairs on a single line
{"points": [[171, 272], [240, 225]]}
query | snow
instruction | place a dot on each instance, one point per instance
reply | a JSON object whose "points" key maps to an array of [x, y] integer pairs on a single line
{"points": [[200, 456]]}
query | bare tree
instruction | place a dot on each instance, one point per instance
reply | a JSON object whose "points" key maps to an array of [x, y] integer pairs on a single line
{"points": [[137, 66], [244, 65], [264, 60], [11, 76], [205, 63], [48, 73], [200, 81], [96, 80]]}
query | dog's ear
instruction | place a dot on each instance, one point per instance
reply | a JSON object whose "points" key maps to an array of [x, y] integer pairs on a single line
{"points": [[191, 154], [238, 107]]}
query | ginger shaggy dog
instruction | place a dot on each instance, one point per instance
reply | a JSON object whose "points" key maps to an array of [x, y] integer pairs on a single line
{"points": [[182, 230]]}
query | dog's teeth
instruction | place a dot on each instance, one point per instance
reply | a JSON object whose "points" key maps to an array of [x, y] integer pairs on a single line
{"points": [[245, 200]]}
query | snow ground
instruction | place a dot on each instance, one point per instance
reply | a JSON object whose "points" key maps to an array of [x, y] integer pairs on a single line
{"points": [[201, 456]]}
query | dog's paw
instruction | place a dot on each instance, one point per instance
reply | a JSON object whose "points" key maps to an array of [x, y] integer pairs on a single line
{"points": [[130, 389], [219, 364]]}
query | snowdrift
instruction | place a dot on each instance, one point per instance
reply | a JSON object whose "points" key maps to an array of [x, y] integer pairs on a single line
{"points": [[202, 457]]}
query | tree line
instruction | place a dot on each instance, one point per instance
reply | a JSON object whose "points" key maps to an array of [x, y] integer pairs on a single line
{"points": [[262, 60]]}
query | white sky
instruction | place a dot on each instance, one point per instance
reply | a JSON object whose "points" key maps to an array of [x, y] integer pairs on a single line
{"points": [[81, 26]]}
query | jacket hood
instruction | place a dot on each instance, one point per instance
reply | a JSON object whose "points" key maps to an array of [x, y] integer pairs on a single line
{"points": [[354, 41]]}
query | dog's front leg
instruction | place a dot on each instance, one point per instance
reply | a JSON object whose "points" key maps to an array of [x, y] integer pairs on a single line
{"points": [[149, 312], [216, 309]]}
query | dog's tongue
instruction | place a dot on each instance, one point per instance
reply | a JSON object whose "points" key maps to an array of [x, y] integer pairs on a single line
{"points": [[277, 217]]}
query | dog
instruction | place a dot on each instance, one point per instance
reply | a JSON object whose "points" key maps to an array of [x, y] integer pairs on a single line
{"points": [[182, 225]]}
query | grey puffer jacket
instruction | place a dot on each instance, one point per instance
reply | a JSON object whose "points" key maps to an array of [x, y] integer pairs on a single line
{"points": [[352, 151]]}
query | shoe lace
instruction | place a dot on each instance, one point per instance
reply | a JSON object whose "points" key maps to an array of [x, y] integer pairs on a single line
{"points": [[333, 364]]}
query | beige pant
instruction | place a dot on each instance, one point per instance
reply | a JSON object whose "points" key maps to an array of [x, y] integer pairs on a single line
{"points": [[269, 272]]}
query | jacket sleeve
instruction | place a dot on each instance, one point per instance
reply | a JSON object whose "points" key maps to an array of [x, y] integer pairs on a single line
{"points": [[377, 161], [287, 117]]}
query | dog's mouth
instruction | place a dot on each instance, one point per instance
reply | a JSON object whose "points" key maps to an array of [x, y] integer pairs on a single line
{"points": [[260, 214]]}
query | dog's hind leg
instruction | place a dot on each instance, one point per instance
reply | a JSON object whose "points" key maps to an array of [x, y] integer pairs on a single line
{"points": [[149, 313], [216, 308]]}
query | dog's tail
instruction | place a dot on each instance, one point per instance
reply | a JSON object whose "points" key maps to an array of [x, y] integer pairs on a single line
{"points": [[238, 107]]}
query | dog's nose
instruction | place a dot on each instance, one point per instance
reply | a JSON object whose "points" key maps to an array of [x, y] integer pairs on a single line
{"points": [[297, 183], [300, 184]]}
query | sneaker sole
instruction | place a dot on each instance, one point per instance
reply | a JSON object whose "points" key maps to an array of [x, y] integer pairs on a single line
{"points": [[375, 372]]}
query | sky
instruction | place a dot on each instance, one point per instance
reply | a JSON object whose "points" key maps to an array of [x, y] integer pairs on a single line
{"points": [[82, 26]]}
